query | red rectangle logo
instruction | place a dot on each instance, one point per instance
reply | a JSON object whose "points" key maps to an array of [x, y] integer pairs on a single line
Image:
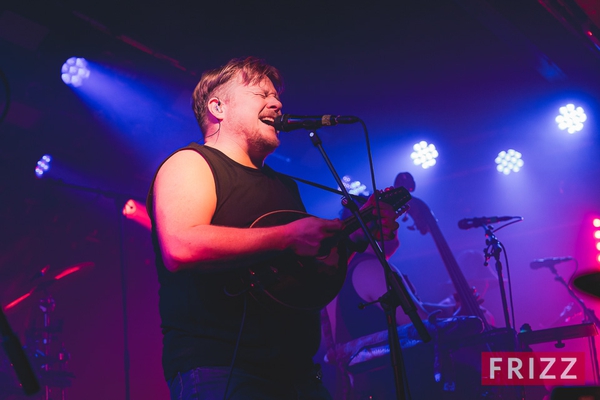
{"points": [[533, 368]]}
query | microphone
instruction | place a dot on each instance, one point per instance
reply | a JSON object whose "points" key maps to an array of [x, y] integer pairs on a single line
{"points": [[468, 223], [288, 122], [548, 262]]}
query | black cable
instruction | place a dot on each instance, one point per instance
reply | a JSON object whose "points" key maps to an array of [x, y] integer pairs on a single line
{"points": [[510, 292], [237, 345]]}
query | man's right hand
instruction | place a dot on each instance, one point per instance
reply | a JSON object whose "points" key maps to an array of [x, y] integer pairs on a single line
{"points": [[309, 235]]}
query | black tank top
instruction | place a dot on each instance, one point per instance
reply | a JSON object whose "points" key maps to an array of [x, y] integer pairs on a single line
{"points": [[200, 322]]}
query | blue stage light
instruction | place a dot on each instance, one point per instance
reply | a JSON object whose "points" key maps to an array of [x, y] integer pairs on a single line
{"points": [[571, 118], [424, 154], [74, 71], [43, 165], [354, 187], [509, 161]]}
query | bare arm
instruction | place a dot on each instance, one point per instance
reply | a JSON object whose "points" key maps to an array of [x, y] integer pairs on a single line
{"points": [[184, 204]]}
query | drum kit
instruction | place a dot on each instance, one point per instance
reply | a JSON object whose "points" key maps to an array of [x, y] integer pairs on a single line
{"points": [[456, 353], [45, 353]]}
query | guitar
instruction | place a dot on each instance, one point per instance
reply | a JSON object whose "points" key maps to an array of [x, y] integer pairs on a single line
{"points": [[309, 283], [425, 222]]}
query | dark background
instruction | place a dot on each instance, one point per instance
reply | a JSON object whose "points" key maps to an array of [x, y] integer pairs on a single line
{"points": [[473, 77]]}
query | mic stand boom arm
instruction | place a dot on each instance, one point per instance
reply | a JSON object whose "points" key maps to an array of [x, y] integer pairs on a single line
{"points": [[397, 293]]}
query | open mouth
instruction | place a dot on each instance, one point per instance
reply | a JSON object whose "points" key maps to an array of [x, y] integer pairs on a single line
{"points": [[267, 120]]}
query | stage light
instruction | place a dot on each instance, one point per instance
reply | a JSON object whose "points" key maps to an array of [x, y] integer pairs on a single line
{"points": [[596, 222], [424, 154], [571, 118], [43, 165], [509, 161], [74, 71], [354, 187]]}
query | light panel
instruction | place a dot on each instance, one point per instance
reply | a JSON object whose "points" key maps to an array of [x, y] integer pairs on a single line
{"points": [[354, 187], [74, 71], [571, 118], [509, 161], [43, 165], [424, 154]]}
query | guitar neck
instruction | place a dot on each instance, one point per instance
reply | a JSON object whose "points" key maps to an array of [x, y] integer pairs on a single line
{"points": [[396, 197], [352, 223], [468, 301]]}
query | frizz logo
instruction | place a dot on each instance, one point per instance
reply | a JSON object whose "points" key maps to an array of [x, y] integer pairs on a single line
{"points": [[533, 368]]}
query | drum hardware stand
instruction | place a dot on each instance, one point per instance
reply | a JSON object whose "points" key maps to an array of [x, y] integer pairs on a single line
{"points": [[397, 293], [47, 304], [589, 316]]}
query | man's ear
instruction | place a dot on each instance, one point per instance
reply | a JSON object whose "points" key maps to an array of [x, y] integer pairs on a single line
{"points": [[214, 107]]}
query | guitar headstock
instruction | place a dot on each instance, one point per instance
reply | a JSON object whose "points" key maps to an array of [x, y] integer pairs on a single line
{"points": [[419, 211], [397, 197], [421, 216]]}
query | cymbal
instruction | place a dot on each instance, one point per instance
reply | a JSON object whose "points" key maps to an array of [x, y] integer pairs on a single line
{"points": [[48, 281], [588, 283]]}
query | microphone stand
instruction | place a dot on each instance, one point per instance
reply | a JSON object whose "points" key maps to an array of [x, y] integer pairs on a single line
{"points": [[494, 249], [397, 293], [590, 316]]}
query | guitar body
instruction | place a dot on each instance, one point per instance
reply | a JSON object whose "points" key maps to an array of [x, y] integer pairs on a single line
{"points": [[309, 283], [304, 283]]}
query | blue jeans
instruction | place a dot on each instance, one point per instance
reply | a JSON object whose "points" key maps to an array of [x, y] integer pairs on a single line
{"points": [[208, 383]]}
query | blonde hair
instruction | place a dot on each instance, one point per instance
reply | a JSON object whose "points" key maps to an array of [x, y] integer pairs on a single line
{"points": [[252, 70]]}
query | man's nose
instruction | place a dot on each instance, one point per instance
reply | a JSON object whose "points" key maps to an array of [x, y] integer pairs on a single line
{"points": [[275, 104]]}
